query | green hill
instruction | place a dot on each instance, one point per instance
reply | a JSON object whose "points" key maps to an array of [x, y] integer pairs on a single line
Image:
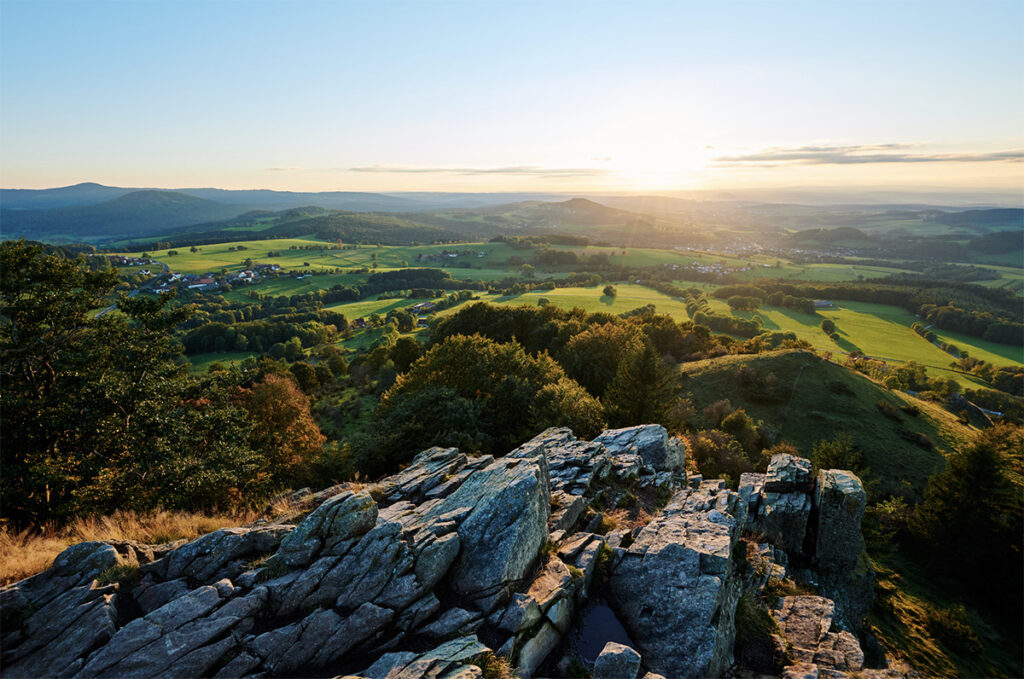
{"points": [[814, 399]]}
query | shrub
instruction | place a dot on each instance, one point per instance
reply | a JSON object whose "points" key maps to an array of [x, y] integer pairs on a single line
{"points": [[951, 627]]}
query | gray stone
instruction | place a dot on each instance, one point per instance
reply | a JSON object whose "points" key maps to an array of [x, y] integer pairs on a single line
{"points": [[345, 516], [535, 649], [783, 518], [650, 442], [674, 587], [444, 662], [806, 621], [839, 499], [521, 613], [788, 473], [204, 557], [62, 632], [453, 622], [505, 528], [617, 662], [750, 489]]}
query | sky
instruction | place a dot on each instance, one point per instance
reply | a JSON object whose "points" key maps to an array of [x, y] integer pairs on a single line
{"points": [[512, 96]]}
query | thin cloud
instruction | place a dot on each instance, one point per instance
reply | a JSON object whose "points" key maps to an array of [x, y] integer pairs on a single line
{"points": [[520, 170], [861, 154]]}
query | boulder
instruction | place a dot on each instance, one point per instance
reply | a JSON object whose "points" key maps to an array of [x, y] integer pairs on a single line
{"points": [[617, 662], [504, 528], [839, 500], [806, 622], [788, 473], [675, 588], [750, 488], [446, 661], [651, 442], [783, 518], [345, 516]]}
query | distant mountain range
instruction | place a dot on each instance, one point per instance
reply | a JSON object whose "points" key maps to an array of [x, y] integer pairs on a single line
{"points": [[92, 212]]}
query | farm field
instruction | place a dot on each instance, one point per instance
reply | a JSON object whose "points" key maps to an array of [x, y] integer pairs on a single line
{"points": [[824, 273], [879, 331], [629, 297]]}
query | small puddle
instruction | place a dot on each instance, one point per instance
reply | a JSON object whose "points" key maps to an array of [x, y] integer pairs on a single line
{"points": [[598, 625]]}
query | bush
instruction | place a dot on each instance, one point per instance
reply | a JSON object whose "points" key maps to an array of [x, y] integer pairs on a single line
{"points": [[951, 627]]}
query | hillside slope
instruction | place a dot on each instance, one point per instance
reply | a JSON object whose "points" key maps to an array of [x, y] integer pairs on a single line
{"points": [[815, 400]]}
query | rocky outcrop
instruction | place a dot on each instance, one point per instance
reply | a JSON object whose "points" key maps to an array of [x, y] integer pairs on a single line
{"points": [[674, 587], [457, 560], [651, 442]]}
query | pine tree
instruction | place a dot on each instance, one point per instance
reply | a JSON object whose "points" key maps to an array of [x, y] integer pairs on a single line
{"points": [[643, 391]]}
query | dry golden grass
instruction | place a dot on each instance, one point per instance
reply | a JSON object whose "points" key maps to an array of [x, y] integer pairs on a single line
{"points": [[32, 551]]}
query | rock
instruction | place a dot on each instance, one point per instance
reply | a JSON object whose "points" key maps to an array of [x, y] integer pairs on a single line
{"points": [[57, 635], [650, 442], [566, 510], [674, 587], [839, 500], [132, 648], [453, 622], [205, 556], [342, 517], [505, 528], [750, 489], [806, 621], [535, 649], [443, 662], [551, 583], [617, 662], [151, 597], [521, 613], [783, 518], [788, 473]]}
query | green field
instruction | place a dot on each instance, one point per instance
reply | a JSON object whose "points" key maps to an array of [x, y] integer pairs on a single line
{"points": [[879, 331], [202, 362], [217, 256], [590, 299]]}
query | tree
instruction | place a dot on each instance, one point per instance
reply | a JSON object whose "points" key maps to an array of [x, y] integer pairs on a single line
{"points": [[305, 376], [643, 391], [972, 513], [609, 291], [838, 453], [527, 270], [828, 326], [503, 384], [404, 351], [718, 455], [293, 349], [287, 435], [592, 357], [97, 413]]}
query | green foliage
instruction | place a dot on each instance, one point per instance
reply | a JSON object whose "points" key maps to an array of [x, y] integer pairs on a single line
{"points": [[98, 415], [973, 512], [609, 291], [127, 573], [838, 453], [719, 455], [593, 356], [481, 395], [644, 389], [404, 352], [754, 629], [951, 627]]}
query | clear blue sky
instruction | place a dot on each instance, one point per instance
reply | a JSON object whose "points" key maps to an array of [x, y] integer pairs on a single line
{"points": [[511, 95]]}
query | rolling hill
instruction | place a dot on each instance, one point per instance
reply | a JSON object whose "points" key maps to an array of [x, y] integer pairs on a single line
{"points": [[814, 400]]}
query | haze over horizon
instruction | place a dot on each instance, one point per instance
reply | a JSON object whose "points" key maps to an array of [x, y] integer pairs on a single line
{"points": [[513, 96]]}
